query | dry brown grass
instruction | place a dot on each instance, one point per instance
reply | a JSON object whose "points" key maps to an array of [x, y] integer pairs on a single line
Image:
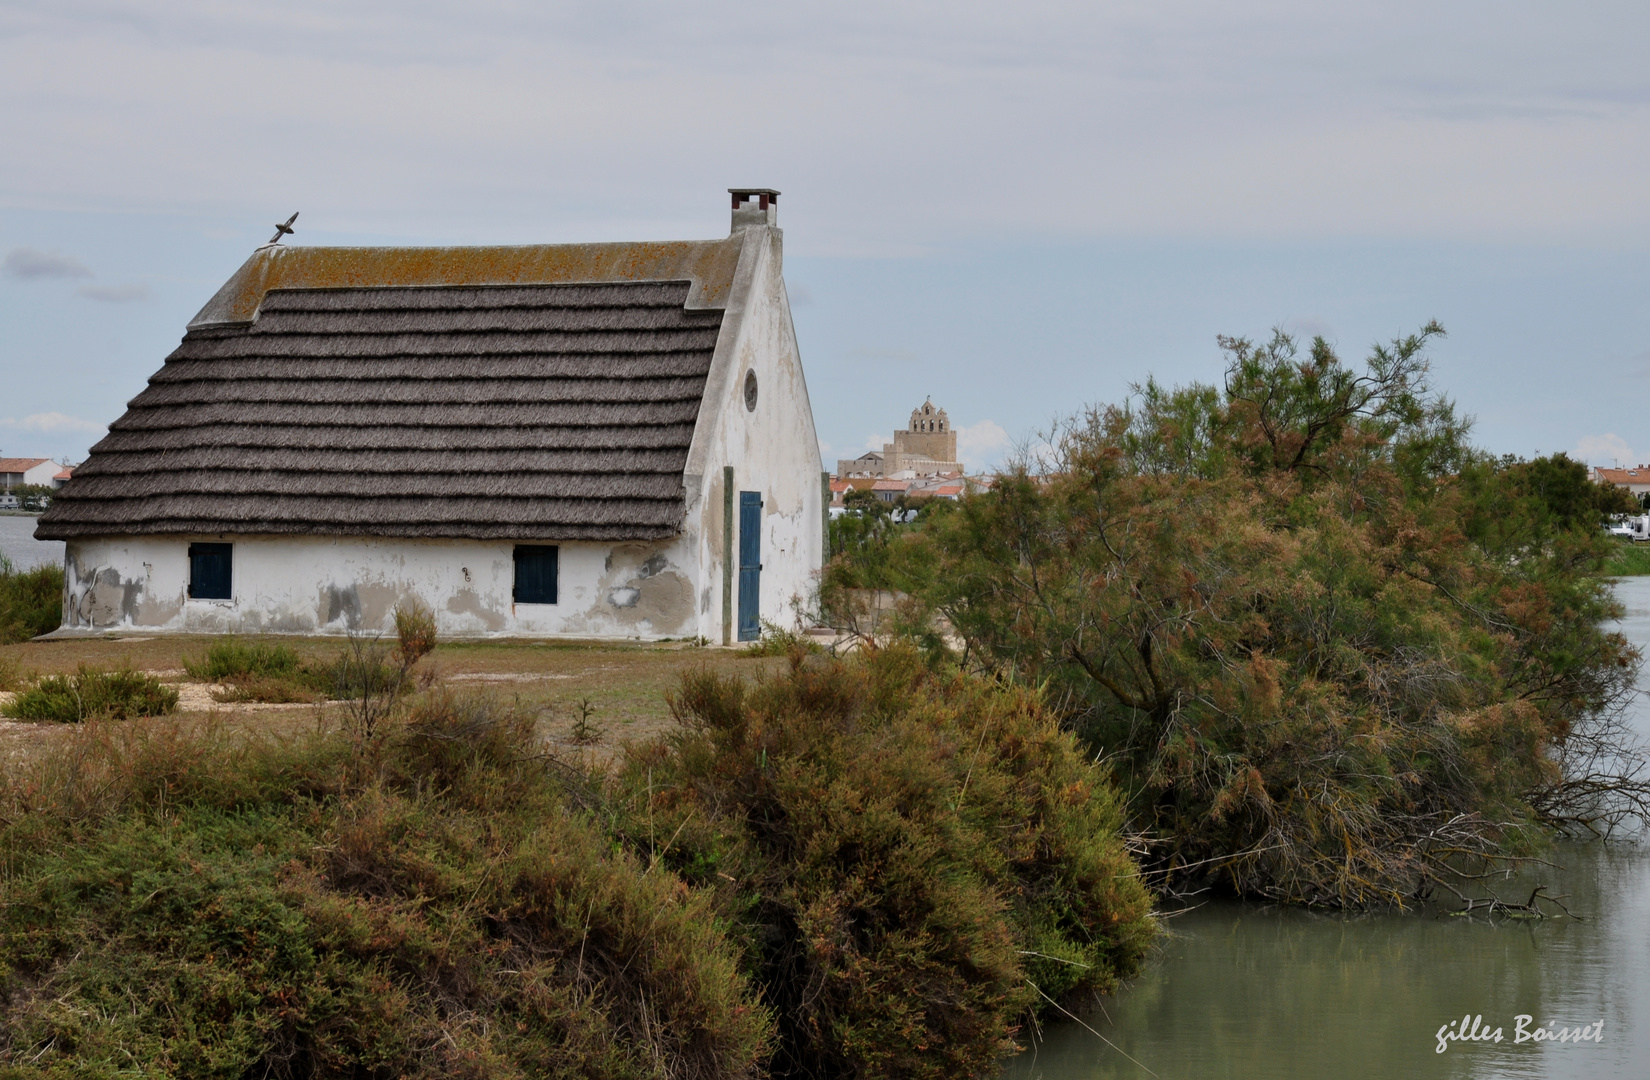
{"points": [[625, 683]]}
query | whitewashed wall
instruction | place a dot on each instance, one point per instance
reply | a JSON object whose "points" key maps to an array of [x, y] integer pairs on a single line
{"points": [[325, 585], [773, 449]]}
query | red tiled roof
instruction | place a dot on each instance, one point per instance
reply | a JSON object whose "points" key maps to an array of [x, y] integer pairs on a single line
{"points": [[1637, 475], [21, 464], [891, 485]]}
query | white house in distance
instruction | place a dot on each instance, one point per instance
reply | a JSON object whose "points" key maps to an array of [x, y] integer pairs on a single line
{"points": [[592, 440], [41, 472], [1635, 479]]}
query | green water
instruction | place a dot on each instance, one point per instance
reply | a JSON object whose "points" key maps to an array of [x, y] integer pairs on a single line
{"points": [[1244, 991]]}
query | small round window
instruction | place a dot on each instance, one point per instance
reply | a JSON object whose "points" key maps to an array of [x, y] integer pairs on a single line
{"points": [[750, 391]]}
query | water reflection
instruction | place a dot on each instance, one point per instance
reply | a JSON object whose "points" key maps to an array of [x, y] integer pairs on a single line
{"points": [[18, 544], [1244, 991]]}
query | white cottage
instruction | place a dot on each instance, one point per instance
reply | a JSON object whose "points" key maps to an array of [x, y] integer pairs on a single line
{"points": [[592, 440]]}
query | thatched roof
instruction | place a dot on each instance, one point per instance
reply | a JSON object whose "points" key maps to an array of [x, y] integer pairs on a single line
{"points": [[498, 411]]}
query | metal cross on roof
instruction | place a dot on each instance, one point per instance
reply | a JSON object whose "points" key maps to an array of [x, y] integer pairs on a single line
{"points": [[283, 230]]}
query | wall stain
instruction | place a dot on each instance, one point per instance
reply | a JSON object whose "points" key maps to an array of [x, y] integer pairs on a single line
{"points": [[377, 602], [103, 599], [466, 602], [337, 603]]}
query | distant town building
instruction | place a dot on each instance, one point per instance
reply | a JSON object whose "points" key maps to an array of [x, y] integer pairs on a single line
{"points": [[927, 448], [943, 486], [890, 490], [15, 472], [867, 464], [913, 489], [1636, 479]]}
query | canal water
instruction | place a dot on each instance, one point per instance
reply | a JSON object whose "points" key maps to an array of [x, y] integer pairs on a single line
{"points": [[1243, 990], [18, 544]]}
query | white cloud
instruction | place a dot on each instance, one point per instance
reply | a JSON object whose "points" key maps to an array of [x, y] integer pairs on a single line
{"points": [[981, 446], [52, 423], [31, 263], [114, 294], [1603, 450]]}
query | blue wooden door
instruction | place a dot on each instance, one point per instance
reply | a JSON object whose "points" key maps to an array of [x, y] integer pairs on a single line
{"points": [[750, 565]]}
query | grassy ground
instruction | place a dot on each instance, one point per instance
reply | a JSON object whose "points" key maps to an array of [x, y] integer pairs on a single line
{"points": [[1630, 560], [625, 683]]}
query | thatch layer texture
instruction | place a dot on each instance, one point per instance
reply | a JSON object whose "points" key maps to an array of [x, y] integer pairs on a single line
{"points": [[527, 412]]}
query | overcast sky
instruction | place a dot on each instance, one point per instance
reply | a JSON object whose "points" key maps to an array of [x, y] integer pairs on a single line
{"points": [[1014, 208]]}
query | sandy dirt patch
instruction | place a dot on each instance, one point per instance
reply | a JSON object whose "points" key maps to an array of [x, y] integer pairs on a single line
{"points": [[197, 697], [504, 677]]}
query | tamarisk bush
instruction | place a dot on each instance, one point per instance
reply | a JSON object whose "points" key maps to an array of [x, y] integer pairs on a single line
{"points": [[914, 862], [1334, 654]]}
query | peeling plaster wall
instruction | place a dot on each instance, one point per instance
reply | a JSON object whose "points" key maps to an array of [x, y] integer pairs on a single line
{"points": [[773, 449], [332, 585]]}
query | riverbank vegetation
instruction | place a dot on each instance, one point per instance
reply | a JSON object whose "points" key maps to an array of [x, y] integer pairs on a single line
{"points": [[1334, 654], [31, 601], [844, 868], [912, 862], [1628, 559]]}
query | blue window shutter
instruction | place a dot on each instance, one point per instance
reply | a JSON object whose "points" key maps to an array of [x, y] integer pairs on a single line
{"points": [[211, 571], [536, 571], [750, 565]]}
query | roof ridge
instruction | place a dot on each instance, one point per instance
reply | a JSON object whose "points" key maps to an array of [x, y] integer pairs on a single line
{"points": [[708, 265]]}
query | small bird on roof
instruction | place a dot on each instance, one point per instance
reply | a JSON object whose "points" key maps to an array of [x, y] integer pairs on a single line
{"points": [[283, 230]]}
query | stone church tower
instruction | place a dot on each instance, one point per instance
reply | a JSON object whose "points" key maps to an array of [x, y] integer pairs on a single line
{"points": [[926, 448]]}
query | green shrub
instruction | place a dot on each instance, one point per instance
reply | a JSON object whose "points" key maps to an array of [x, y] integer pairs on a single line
{"points": [[369, 680], [911, 860], [34, 498], [255, 671], [232, 659], [778, 641], [414, 631], [31, 601], [193, 900], [92, 693], [271, 691]]}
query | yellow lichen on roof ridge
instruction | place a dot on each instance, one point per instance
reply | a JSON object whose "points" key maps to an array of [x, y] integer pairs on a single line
{"points": [[708, 264]]}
